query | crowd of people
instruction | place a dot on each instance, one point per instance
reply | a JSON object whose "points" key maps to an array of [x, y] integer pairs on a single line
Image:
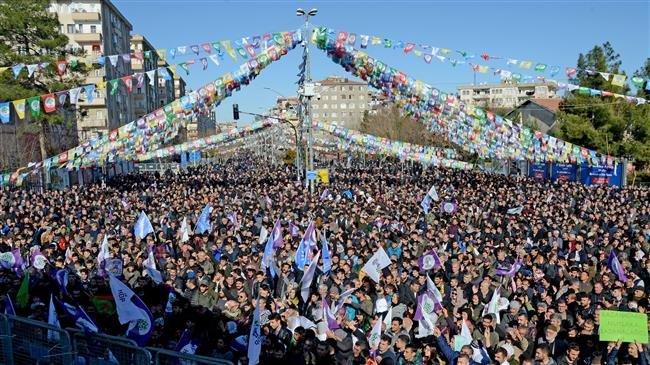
{"points": [[558, 241]]}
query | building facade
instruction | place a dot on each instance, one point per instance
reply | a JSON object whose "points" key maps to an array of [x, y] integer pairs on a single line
{"points": [[507, 94], [100, 29], [145, 98], [340, 101]]}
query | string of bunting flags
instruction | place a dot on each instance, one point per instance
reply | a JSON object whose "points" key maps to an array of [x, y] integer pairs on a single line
{"points": [[147, 133], [208, 142], [216, 50], [54, 100], [385, 146], [475, 129], [428, 53]]}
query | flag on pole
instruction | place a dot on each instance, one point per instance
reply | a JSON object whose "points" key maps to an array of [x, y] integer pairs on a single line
{"points": [[276, 234], [140, 330], [232, 217], [125, 307], [9, 306], [143, 226], [341, 301], [103, 255], [433, 194], [255, 338], [185, 233], [388, 319], [268, 255], [376, 264], [293, 230], [305, 282], [375, 336], [264, 234], [53, 320], [327, 260], [150, 268], [305, 246], [22, 297], [328, 316], [493, 305], [616, 267], [61, 277], [511, 271], [435, 293], [186, 344], [426, 204], [429, 260], [80, 318], [516, 210], [203, 225], [325, 194]]}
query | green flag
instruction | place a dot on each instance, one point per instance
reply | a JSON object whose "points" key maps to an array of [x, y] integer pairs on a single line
{"points": [[184, 67], [540, 67], [104, 304], [147, 55], [114, 86], [22, 298], [34, 104]]}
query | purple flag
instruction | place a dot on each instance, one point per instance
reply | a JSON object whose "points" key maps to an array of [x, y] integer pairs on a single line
{"points": [[429, 260], [328, 316], [276, 234], [293, 230], [232, 217], [325, 194], [615, 266], [511, 271]]}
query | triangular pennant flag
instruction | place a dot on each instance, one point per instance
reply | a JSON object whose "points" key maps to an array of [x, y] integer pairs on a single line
{"points": [[139, 77], [34, 104], [195, 49], [31, 69], [19, 106], [128, 81], [61, 97], [605, 75], [89, 91], [126, 57], [5, 113], [16, 69], [49, 103], [114, 86], [113, 59], [207, 48], [185, 67], [214, 59], [151, 75], [161, 53], [204, 62]]}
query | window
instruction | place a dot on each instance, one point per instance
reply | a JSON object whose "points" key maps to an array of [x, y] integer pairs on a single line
{"points": [[324, 114], [70, 28], [351, 105], [334, 106], [315, 115], [342, 88], [333, 97], [324, 106], [93, 29], [315, 106], [333, 115], [360, 88], [100, 114], [360, 97], [344, 105], [349, 114], [362, 105], [139, 90], [350, 87], [326, 97]]}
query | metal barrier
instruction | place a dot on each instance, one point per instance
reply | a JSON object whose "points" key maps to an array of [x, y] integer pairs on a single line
{"points": [[25, 341], [167, 357], [103, 349]]}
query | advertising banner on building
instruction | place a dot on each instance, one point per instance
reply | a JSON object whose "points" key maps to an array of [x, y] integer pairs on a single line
{"points": [[538, 171], [602, 175]]}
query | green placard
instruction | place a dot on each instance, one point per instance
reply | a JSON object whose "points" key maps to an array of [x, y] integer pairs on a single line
{"points": [[624, 326]]}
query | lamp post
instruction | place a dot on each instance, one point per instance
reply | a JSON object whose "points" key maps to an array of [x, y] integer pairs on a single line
{"points": [[298, 141], [306, 91]]}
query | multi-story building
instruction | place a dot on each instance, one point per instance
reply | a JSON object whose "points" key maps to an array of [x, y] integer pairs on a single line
{"points": [[285, 108], [507, 94], [340, 101], [100, 29], [145, 98], [202, 125]]}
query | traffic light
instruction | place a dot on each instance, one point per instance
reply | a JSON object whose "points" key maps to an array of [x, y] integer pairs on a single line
{"points": [[235, 111]]}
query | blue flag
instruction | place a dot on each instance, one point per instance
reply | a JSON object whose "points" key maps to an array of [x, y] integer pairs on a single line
{"points": [[268, 255], [616, 267], [9, 306], [327, 260], [426, 204], [80, 318], [186, 344], [62, 279], [255, 338], [141, 329], [348, 193], [143, 226], [305, 247], [203, 225]]}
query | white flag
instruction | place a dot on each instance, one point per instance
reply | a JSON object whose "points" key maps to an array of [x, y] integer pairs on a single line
{"points": [[103, 254], [152, 76], [375, 336], [389, 317], [185, 231], [53, 320], [305, 283], [433, 193], [74, 95], [255, 338], [377, 262], [127, 311], [264, 234], [151, 270]]}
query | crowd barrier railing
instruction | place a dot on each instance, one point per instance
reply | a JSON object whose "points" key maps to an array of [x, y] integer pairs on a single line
{"points": [[27, 341]]}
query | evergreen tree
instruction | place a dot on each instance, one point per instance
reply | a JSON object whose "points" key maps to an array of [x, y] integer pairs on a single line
{"points": [[29, 34]]}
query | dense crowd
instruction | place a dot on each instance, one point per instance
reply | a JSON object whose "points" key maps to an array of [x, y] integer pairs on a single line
{"points": [[548, 312]]}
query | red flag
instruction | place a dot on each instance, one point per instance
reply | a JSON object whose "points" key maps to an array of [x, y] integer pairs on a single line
{"points": [[207, 47], [61, 66], [485, 56], [49, 102], [570, 71], [409, 47], [128, 81]]}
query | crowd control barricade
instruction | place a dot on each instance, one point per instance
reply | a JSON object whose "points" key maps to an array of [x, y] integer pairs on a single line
{"points": [[167, 357], [26, 341], [101, 349]]}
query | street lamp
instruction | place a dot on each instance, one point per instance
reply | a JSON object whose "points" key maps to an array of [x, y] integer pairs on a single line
{"points": [[306, 91]]}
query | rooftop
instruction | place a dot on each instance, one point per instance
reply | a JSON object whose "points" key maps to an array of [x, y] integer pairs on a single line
{"points": [[337, 80]]}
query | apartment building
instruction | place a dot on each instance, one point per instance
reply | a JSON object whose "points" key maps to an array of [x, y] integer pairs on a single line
{"points": [[145, 98], [100, 29], [507, 94], [340, 101]]}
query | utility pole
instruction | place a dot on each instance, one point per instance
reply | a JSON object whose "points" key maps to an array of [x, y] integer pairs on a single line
{"points": [[306, 90]]}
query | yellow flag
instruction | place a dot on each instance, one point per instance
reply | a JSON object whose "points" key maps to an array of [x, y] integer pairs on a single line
{"points": [[101, 85], [172, 68], [525, 64], [375, 41], [445, 51], [19, 105], [618, 80], [231, 52], [2, 69], [176, 106], [417, 53], [483, 69], [162, 52]]}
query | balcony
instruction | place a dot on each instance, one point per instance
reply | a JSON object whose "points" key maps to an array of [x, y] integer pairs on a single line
{"points": [[80, 16], [86, 37]]}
